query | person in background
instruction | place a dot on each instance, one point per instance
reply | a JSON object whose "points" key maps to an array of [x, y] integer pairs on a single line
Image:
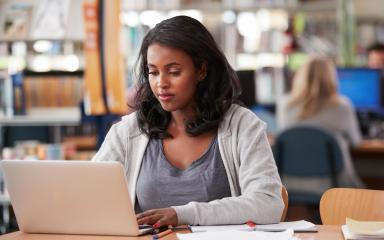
{"points": [[190, 153], [314, 100], [376, 56]]}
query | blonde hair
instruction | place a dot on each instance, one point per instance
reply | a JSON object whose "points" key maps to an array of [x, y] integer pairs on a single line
{"points": [[314, 86]]}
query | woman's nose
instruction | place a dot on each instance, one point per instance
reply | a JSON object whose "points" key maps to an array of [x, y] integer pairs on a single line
{"points": [[162, 81]]}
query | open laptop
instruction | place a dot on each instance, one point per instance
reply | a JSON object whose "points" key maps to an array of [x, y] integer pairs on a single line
{"points": [[70, 197]]}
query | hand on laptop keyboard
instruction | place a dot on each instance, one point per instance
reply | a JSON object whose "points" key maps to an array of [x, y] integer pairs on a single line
{"points": [[158, 217]]}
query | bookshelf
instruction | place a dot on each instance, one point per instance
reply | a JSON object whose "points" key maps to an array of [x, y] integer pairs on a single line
{"points": [[51, 103], [53, 117], [42, 43], [39, 116]]}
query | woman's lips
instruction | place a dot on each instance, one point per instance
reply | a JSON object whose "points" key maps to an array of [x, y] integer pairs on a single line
{"points": [[165, 97]]}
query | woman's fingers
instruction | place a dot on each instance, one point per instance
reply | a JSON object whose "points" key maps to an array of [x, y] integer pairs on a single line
{"points": [[158, 217], [146, 213], [152, 219]]}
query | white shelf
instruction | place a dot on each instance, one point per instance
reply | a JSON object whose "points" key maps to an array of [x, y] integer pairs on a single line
{"points": [[45, 117]]}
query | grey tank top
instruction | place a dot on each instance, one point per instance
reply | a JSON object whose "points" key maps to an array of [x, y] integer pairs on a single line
{"points": [[161, 185]]}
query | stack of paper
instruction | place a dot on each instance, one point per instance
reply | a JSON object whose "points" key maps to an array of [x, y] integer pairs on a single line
{"points": [[237, 234], [363, 230], [297, 226]]}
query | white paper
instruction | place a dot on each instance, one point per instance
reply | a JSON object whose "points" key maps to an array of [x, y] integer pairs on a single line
{"points": [[301, 225], [219, 228], [350, 236], [237, 234], [369, 228]]}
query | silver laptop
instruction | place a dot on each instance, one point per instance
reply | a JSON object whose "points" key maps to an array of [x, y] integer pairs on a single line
{"points": [[70, 197]]}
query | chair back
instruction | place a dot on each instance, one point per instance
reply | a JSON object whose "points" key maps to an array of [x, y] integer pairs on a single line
{"points": [[284, 195], [306, 151], [360, 204]]}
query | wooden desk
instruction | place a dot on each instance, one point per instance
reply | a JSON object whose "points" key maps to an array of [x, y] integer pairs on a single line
{"points": [[368, 159], [369, 148], [326, 232]]}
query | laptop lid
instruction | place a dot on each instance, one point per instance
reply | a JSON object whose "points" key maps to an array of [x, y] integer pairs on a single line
{"points": [[70, 197]]}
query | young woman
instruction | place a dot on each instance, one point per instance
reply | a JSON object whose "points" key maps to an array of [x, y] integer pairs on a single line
{"points": [[191, 155], [314, 100]]}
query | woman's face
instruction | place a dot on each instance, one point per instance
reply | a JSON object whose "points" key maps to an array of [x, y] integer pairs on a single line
{"points": [[173, 77]]}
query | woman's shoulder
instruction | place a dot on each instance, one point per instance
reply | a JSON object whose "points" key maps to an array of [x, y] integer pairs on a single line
{"points": [[237, 110], [341, 108], [128, 123], [344, 101], [238, 115]]}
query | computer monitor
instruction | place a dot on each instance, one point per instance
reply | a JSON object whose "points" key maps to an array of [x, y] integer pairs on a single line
{"points": [[248, 87], [362, 86]]}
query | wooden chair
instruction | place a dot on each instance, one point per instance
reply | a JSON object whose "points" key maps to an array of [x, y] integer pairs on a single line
{"points": [[360, 204], [284, 195]]}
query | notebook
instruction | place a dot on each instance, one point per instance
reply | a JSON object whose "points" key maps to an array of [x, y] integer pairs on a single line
{"points": [[354, 229], [71, 197]]}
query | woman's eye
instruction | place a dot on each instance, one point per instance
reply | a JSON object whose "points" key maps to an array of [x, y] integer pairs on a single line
{"points": [[175, 73], [152, 73]]}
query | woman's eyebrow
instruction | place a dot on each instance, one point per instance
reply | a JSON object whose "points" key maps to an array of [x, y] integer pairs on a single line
{"points": [[167, 65], [172, 64]]}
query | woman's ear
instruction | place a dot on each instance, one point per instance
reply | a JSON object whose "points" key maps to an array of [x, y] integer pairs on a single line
{"points": [[203, 71]]}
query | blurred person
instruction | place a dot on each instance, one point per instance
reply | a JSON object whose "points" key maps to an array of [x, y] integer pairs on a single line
{"points": [[376, 56], [190, 153], [314, 100]]}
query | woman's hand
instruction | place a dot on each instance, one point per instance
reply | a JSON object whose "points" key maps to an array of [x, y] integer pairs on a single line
{"points": [[158, 217]]}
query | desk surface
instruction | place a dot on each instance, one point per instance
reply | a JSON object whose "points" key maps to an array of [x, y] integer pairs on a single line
{"points": [[370, 146], [326, 232]]}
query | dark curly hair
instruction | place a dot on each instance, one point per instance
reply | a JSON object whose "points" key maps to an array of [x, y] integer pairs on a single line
{"points": [[214, 94]]}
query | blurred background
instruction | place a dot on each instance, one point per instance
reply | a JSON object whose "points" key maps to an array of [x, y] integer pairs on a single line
{"points": [[67, 69]]}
